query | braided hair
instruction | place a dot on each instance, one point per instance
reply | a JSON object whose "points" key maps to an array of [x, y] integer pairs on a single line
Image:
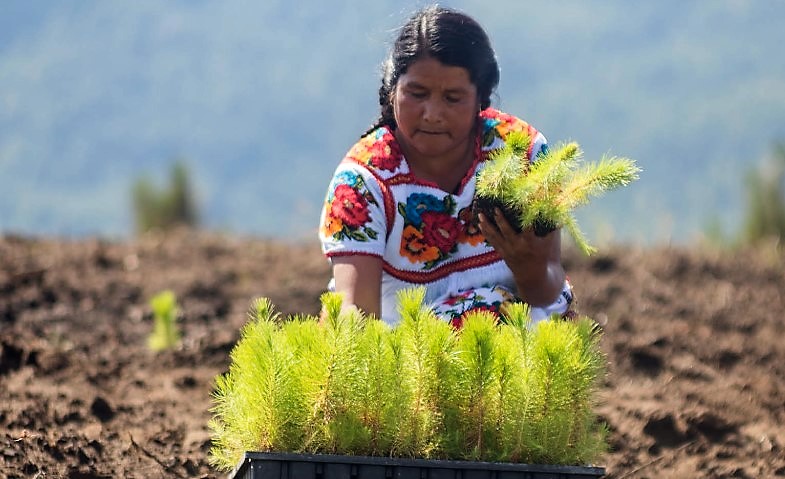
{"points": [[449, 36]]}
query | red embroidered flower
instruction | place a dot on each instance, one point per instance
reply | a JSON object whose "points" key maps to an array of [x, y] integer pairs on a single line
{"points": [[440, 230], [385, 153], [381, 152], [460, 297], [349, 206]]}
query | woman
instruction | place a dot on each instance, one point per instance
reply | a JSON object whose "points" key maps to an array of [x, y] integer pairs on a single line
{"points": [[398, 209]]}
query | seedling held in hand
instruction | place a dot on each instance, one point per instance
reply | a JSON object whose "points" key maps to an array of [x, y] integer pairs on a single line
{"points": [[543, 194]]}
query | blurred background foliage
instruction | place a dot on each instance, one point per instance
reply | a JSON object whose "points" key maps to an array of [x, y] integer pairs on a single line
{"points": [[264, 98], [764, 219], [170, 206]]}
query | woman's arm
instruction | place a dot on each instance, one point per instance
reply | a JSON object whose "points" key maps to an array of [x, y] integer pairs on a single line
{"points": [[535, 261], [359, 278]]}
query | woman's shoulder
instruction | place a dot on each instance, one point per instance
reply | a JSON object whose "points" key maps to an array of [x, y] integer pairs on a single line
{"points": [[500, 124], [377, 151]]}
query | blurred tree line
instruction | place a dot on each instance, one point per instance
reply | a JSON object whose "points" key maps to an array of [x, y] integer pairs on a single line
{"points": [[763, 221], [765, 214], [167, 207]]}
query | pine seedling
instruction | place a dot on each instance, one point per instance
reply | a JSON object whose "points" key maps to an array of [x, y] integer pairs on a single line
{"points": [[348, 432], [587, 437], [256, 399], [350, 385], [165, 333], [378, 391], [555, 201], [303, 343], [497, 180], [332, 303], [544, 193], [559, 360], [426, 348], [559, 188], [514, 397], [333, 424], [477, 350], [540, 186]]}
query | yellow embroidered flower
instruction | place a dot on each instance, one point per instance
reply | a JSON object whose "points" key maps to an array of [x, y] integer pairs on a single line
{"points": [[414, 248], [331, 224]]}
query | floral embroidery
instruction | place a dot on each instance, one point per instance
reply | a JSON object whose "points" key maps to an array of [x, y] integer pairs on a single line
{"points": [[378, 149], [349, 206], [471, 230], [497, 125], [493, 300], [414, 247], [330, 224], [346, 209], [440, 230], [543, 150], [430, 231], [418, 203], [463, 303], [349, 178]]}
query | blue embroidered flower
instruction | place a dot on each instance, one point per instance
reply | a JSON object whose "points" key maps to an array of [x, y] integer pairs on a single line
{"points": [[347, 178], [419, 203], [543, 151], [490, 123], [380, 132]]}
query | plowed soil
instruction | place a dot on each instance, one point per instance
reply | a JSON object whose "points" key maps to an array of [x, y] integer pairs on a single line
{"points": [[695, 342]]}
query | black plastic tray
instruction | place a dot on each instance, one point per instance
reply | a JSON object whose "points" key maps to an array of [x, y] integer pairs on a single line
{"points": [[259, 465]]}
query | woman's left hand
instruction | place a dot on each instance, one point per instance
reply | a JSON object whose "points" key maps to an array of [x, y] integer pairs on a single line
{"points": [[534, 260], [515, 247]]}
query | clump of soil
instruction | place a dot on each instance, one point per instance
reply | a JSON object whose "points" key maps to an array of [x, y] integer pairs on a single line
{"points": [[695, 388]]}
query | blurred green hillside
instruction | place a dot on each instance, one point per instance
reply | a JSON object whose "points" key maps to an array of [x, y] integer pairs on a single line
{"points": [[263, 98]]}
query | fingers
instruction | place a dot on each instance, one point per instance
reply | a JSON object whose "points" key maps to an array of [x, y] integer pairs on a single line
{"points": [[507, 240], [499, 234], [487, 228], [503, 225], [498, 228]]}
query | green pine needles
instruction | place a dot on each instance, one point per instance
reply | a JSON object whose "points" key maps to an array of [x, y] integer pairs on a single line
{"points": [[544, 194], [509, 392], [166, 334]]}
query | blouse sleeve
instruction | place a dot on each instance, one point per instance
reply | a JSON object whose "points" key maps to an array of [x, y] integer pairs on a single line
{"points": [[497, 125], [539, 146], [353, 219]]}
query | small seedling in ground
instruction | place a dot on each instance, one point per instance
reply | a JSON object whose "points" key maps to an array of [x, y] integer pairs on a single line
{"points": [[544, 193], [165, 333]]}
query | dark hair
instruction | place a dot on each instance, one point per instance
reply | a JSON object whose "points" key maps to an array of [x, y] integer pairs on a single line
{"points": [[453, 38]]}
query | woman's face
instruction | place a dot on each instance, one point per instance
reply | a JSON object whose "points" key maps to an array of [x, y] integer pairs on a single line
{"points": [[435, 108]]}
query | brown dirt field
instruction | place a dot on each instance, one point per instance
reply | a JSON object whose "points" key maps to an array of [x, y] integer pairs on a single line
{"points": [[695, 342]]}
